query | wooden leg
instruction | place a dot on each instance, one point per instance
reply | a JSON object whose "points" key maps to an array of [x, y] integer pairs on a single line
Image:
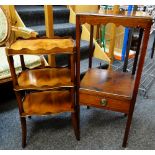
{"points": [[153, 48], [76, 123], [137, 52], [127, 50], [125, 115], [88, 107], [127, 129], [23, 126], [29, 117]]}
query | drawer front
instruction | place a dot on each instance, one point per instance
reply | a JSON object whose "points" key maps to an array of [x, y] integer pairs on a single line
{"points": [[104, 103]]}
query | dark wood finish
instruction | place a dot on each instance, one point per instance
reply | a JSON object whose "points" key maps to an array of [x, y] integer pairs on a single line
{"points": [[127, 50], [12, 69], [126, 21], [91, 50], [47, 90], [5, 80], [129, 42], [78, 37], [24, 132], [22, 62], [106, 82], [137, 52], [98, 34], [75, 123], [108, 89], [112, 104], [153, 48], [137, 82]]}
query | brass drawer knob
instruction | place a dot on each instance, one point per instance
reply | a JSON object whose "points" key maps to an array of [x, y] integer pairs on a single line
{"points": [[103, 102]]}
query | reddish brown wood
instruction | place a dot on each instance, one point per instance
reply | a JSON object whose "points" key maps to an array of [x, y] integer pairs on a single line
{"points": [[47, 102], [47, 90], [137, 52], [126, 21], [22, 62], [12, 69], [112, 104], [24, 133], [153, 48], [108, 89], [78, 37], [45, 77], [75, 123], [117, 84], [98, 34], [91, 50], [5, 80], [23, 120], [137, 82]]}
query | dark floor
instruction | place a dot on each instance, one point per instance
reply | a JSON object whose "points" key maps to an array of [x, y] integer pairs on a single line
{"points": [[100, 129]]}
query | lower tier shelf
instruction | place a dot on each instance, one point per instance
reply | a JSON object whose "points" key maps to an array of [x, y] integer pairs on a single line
{"points": [[47, 102]]}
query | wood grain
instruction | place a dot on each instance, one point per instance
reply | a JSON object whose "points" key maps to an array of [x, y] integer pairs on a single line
{"points": [[48, 11], [108, 82], [41, 46], [115, 90], [41, 79], [47, 102], [112, 104], [126, 21]]}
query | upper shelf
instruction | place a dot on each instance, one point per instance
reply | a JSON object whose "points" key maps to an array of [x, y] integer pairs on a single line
{"points": [[41, 46]]}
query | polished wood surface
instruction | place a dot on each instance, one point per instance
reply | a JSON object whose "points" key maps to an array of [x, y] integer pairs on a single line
{"points": [[41, 46], [44, 90], [43, 63], [47, 102], [109, 89], [112, 104], [137, 51], [112, 83], [44, 78], [126, 21]]}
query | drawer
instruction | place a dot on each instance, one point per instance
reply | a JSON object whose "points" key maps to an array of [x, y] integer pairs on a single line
{"points": [[105, 103]]}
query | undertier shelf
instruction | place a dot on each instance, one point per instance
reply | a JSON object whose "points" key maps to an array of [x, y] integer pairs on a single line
{"points": [[47, 102]]}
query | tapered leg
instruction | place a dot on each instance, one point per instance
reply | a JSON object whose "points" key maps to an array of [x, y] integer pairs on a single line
{"points": [[88, 107], [153, 48], [29, 117], [23, 126], [127, 129], [75, 123], [125, 115]]}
